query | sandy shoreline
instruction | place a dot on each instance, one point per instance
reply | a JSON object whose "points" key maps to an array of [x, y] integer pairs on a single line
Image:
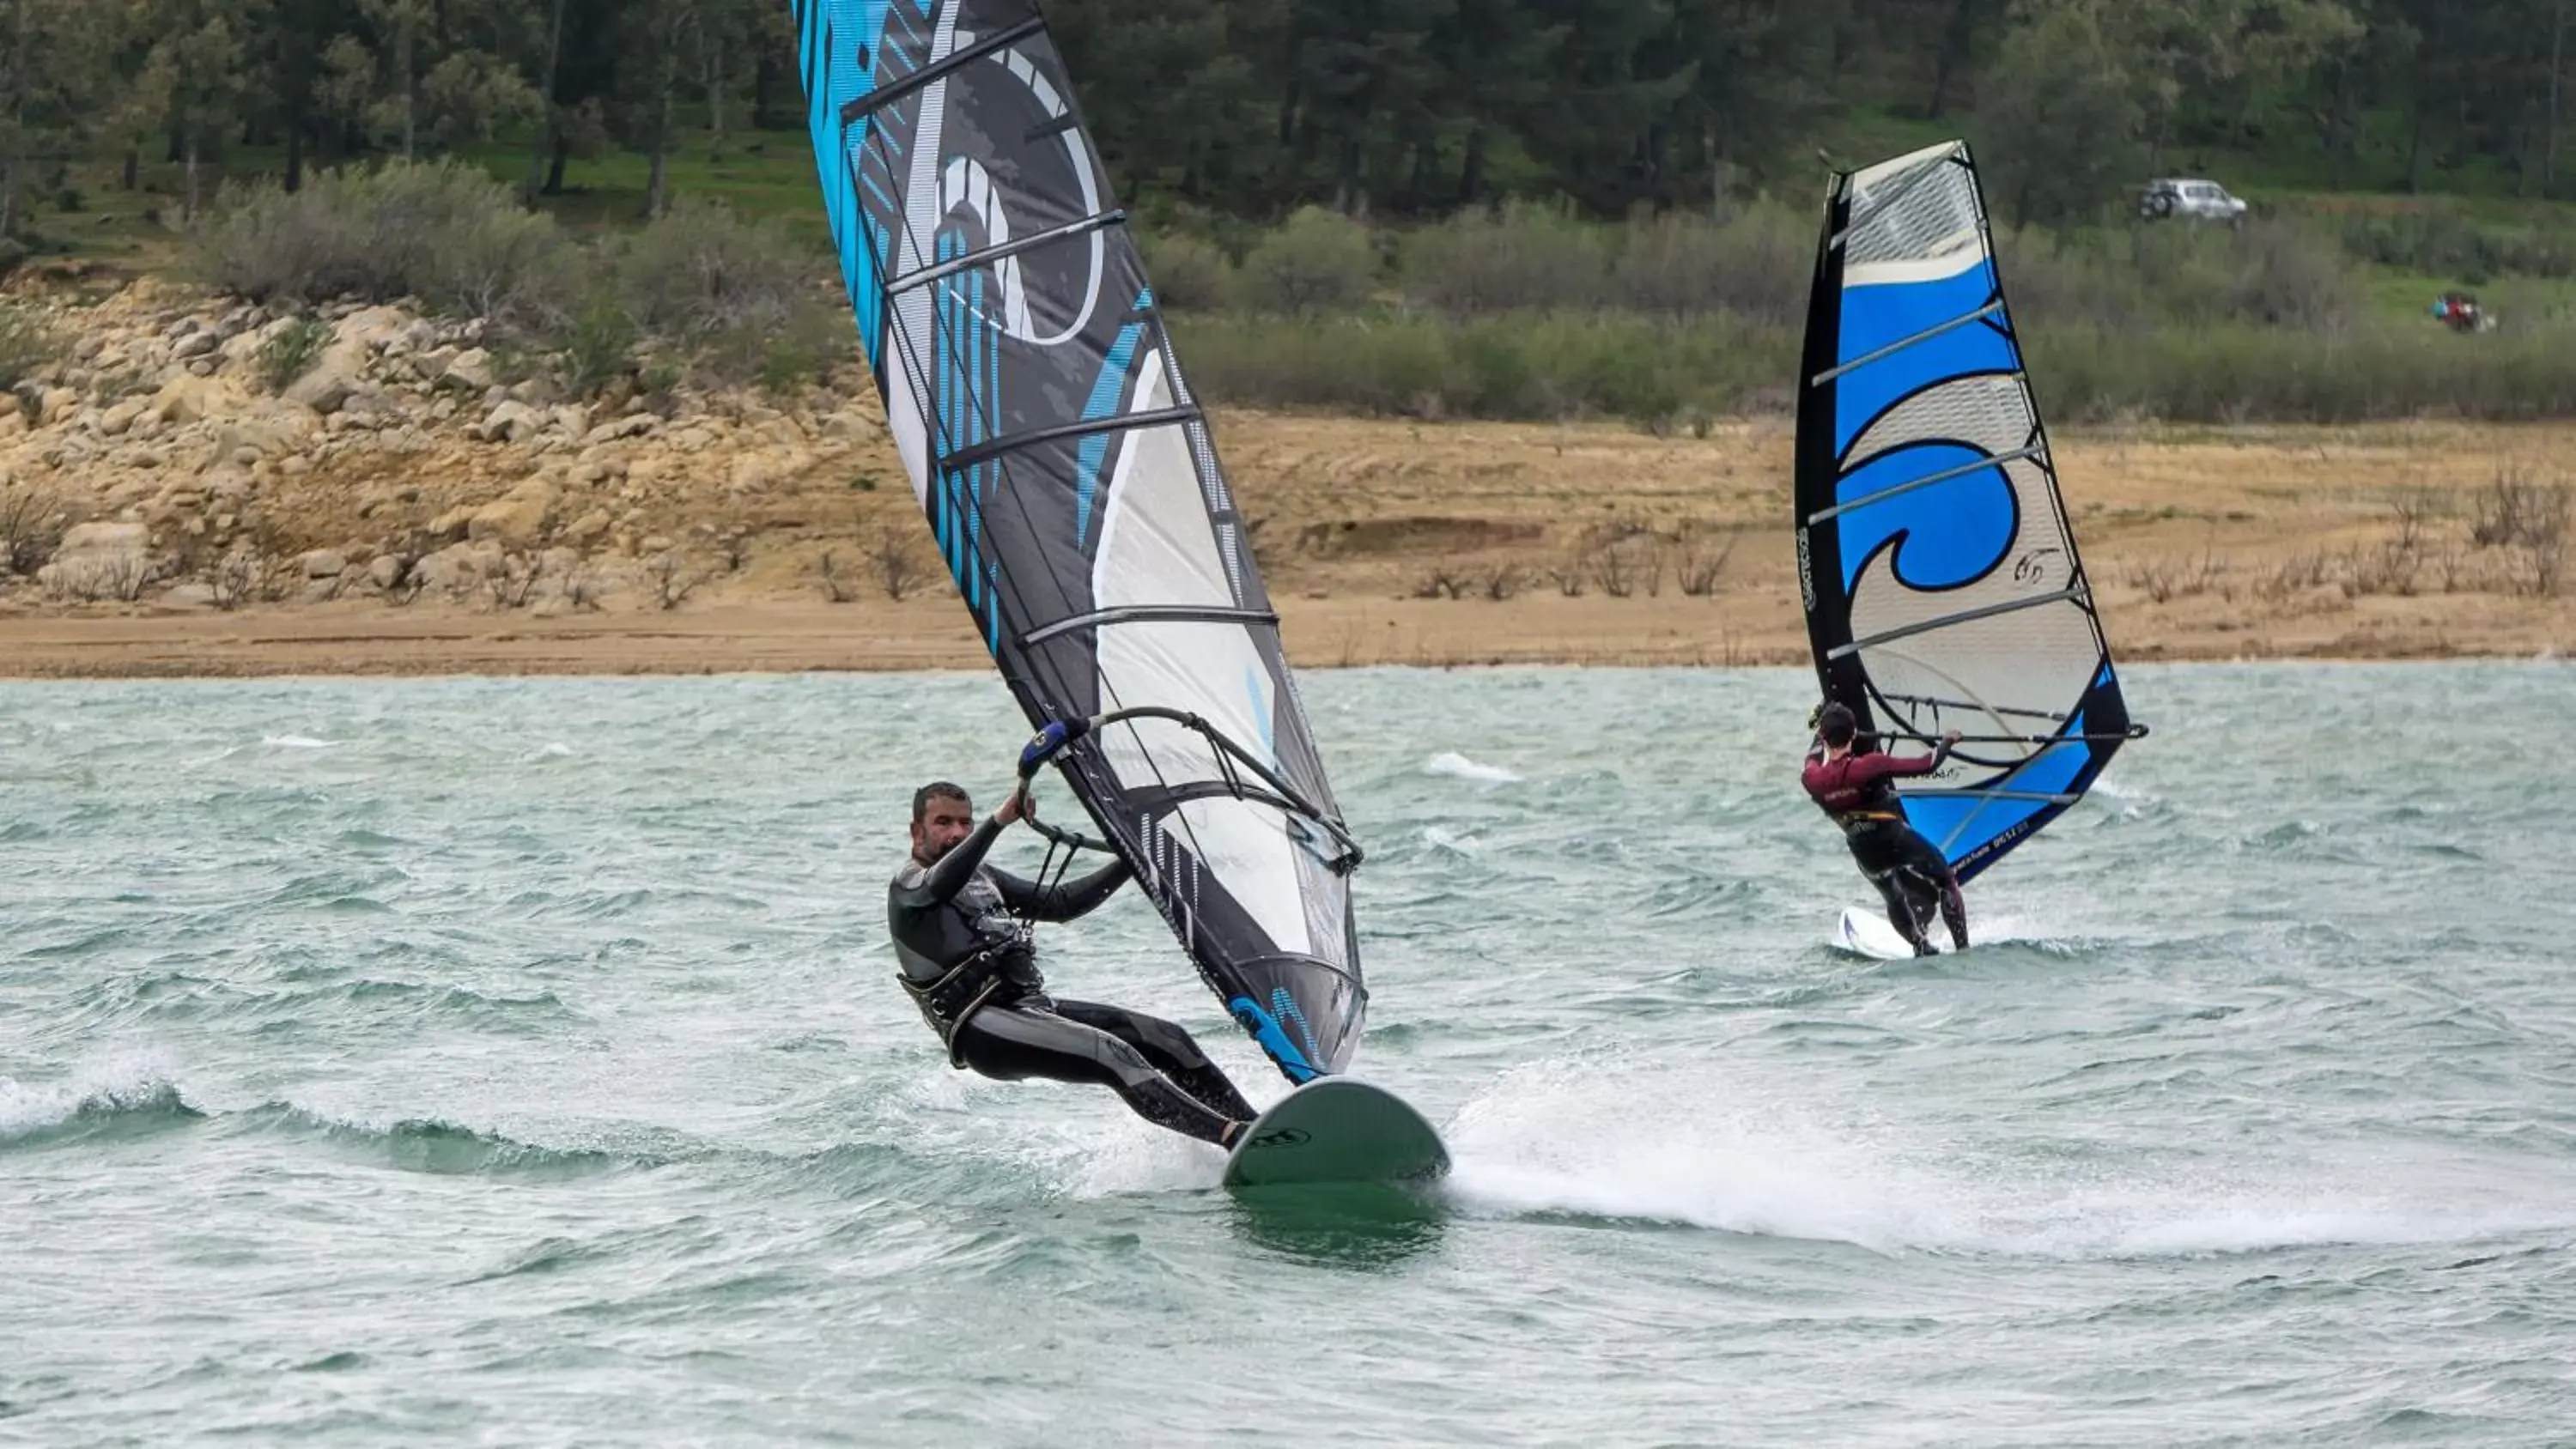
{"points": [[362, 639], [1389, 541]]}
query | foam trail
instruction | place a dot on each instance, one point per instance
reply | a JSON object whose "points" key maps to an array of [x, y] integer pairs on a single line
{"points": [[1446, 839], [1458, 766], [297, 742], [1694, 1148]]}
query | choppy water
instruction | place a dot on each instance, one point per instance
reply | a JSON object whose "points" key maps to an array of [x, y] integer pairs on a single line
{"points": [[517, 1062]]}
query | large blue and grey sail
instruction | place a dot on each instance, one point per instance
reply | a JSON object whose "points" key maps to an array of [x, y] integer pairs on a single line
{"points": [[1069, 480], [1939, 572]]}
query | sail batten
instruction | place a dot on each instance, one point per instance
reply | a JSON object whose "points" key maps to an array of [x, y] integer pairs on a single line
{"points": [[1063, 463], [993, 448], [1927, 480], [1944, 621], [1994, 309], [1936, 564], [992, 254]]}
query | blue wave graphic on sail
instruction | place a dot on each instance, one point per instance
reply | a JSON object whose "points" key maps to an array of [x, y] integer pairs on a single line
{"points": [[1948, 533]]}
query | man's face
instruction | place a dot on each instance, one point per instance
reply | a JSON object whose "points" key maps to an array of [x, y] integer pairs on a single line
{"points": [[946, 821]]}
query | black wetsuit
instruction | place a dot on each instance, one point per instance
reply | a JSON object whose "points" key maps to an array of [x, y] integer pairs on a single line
{"points": [[1859, 792], [968, 962]]}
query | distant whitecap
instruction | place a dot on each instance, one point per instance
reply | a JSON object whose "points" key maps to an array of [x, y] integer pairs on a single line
{"points": [[1458, 766]]}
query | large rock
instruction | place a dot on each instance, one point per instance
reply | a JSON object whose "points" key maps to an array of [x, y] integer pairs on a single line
{"points": [[385, 572], [104, 538], [453, 567], [98, 560], [587, 528], [340, 371], [511, 422], [517, 518], [469, 369], [371, 328], [633, 425], [323, 563], [190, 399]]}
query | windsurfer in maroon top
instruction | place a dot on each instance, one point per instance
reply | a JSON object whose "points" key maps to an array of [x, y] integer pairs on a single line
{"points": [[1856, 788]]}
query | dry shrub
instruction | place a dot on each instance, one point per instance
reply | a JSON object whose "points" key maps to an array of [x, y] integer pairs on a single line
{"points": [[235, 578], [672, 578], [1700, 556], [836, 586], [1443, 582], [32, 524], [896, 557]]}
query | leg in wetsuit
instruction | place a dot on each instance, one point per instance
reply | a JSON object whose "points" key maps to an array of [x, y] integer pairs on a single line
{"points": [[1150, 1062], [1910, 875]]}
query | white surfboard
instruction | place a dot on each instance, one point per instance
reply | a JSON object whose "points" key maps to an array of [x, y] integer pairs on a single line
{"points": [[1334, 1129], [1869, 934]]}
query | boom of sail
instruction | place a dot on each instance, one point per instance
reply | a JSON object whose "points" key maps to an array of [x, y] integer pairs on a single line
{"points": [[1068, 477], [1939, 573]]}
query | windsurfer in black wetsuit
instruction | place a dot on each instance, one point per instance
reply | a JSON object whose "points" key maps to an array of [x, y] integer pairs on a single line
{"points": [[961, 938], [1856, 788]]}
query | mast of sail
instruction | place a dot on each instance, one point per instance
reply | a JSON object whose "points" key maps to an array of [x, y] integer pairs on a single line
{"points": [[1067, 473]]}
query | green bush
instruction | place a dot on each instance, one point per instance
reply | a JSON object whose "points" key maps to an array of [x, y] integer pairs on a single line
{"points": [[1684, 268], [292, 350], [1189, 275], [26, 344], [2236, 372], [598, 350], [1318, 261], [1533, 365], [2440, 239], [700, 272], [1524, 257], [442, 232]]}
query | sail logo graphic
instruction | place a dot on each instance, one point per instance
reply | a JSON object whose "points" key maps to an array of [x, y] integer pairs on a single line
{"points": [[1806, 572]]}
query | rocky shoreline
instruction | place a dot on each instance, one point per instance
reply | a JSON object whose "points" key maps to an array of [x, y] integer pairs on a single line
{"points": [[183, 454]]}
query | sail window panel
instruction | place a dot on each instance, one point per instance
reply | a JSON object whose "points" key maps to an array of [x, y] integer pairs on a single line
{"points": [[1929, 219], [1218, 672], [1158, 544], [1245, 847], [1986, 410], [2003, 668]]}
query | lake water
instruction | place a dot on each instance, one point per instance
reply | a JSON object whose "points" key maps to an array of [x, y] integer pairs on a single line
{"points": [[519, 1062]]}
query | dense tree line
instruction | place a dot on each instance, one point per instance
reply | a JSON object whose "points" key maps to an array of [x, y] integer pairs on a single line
{"points": [[1404, 107]]}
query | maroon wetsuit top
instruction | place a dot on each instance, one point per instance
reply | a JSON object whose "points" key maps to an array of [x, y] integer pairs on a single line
{"points": [[1860, 788]]}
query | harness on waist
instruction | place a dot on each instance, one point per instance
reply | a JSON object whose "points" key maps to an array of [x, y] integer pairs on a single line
{"points": [[937, 999]]}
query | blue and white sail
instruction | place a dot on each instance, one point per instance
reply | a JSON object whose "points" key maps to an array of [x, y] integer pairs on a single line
{"points": [[1938, 568]]}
